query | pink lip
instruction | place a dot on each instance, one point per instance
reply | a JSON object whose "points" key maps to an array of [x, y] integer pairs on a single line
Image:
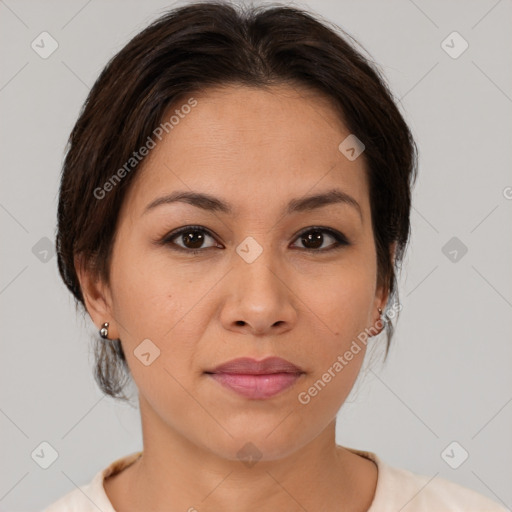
{"points": [[251, 366], [257, 379], [256, 386]]}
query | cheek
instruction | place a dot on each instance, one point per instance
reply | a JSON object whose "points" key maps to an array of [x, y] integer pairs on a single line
{"points": [[337, 349], [147, 288], [341, 299], [159, 300], [150, 301], [340, 303]]}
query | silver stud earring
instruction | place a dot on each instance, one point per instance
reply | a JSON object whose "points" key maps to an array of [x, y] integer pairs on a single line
{"points": [[383, 319], [104, 331]]}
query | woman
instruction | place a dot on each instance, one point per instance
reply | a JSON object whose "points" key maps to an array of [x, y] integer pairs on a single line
{"points": [[234, 203]]}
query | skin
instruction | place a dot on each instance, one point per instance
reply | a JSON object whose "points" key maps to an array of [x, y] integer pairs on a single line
{"points": [[256, 149]]}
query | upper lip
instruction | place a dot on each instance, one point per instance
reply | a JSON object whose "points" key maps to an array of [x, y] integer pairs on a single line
{"points": [[249, 366]]}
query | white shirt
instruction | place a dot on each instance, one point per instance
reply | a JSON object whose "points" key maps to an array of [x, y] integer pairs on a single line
{"points": [[397, 490]]}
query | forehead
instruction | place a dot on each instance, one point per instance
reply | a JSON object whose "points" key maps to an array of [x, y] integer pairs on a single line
{"points": [[270, 144]]}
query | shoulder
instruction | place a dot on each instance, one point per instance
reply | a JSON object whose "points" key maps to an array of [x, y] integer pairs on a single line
{"points": [[399, 489], [92, 497], [86, 498], [420, 493]]}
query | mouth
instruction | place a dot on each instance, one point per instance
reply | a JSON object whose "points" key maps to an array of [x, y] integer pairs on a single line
{"points": [[249, 366], [256, 379], [256, 387]]}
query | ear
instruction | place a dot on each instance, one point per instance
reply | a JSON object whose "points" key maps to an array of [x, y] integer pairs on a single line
{"points": [[97, 298], [381, 296], [382, 292]]}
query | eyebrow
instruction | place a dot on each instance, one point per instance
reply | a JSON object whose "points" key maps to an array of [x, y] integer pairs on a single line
{"points": [[211, 203]]}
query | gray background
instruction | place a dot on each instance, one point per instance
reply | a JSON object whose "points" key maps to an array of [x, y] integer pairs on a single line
{"points": [[448, 377]]}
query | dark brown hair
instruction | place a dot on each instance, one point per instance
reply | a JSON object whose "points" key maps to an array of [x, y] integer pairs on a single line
{"points": [[209, 44]]}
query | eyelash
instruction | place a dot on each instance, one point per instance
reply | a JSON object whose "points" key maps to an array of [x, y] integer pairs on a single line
{"points": [[340, 239]]}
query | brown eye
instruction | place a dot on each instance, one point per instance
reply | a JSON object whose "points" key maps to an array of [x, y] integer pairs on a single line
{"points": [[193, 239], [189, 239], [314, 238]]}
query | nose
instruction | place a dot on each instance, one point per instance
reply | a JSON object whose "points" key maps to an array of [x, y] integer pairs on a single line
{"points": [[259, 298]]}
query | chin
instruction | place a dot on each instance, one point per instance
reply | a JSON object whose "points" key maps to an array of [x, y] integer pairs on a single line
{"points": [[250, 444]]}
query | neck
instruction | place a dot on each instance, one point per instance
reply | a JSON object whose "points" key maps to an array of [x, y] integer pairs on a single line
{"points": [[176, 474]]}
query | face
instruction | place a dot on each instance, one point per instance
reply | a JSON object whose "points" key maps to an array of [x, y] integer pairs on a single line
{"points": [[267, 274]]}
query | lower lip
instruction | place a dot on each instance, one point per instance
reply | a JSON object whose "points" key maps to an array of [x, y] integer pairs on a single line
{"points": [[256, 386]]}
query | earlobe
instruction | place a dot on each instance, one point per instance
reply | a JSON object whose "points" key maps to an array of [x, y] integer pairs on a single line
{"points": [[381, 320], [382, 293], [96, 296], [381, 297]]}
